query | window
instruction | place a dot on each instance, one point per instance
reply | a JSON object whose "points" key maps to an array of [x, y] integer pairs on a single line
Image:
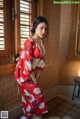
{"points": [[25, 11], [15, 17]]}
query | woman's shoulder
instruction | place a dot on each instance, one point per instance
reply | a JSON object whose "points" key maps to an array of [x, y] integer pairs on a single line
{"points": [[29, 41], [28, 45]]}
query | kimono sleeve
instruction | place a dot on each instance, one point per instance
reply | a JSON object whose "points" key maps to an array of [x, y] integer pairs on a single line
{"points": [[24, 66]]}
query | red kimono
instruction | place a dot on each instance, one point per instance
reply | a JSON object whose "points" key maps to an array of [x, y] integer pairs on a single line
{"points": [[31, 58]]}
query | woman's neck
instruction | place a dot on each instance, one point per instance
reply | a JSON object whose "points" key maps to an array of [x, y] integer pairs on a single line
{"points": [[35, 37]]}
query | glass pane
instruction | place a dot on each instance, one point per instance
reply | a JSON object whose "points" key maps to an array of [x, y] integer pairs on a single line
{"points": [[25, 28], [2, 44], [25, 6], [1, 15], [24, 19], [1, 3]]}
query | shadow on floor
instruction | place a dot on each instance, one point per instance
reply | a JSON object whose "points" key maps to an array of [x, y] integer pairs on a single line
{"points": [[61, 108]]}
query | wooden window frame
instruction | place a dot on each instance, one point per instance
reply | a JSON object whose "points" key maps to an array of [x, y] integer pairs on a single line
{"points": [[6, 63], [5, 55], [74, 53]]}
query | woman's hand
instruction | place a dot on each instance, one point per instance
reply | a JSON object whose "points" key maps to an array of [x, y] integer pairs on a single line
{"points": [[32, 75], [17, 59], [37, 74]]}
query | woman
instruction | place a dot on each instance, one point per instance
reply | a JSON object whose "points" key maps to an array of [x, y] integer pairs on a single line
{"points": [[27, 71]]}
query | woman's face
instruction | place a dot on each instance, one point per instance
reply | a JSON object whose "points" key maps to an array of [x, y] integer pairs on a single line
{"points": [[41, 30]]}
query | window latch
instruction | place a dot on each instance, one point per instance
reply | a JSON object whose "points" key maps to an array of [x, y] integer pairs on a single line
{"points": [[13, 14], [15, 58]]}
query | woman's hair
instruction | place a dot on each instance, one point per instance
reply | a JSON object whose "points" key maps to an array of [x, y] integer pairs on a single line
{"points": [[37, 21]]}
